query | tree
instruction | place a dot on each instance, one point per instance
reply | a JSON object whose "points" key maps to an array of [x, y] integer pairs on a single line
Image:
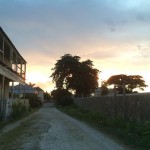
{"points": [[129, 82], [62, 97], [104, 88], [71, 74], [47, 96]]}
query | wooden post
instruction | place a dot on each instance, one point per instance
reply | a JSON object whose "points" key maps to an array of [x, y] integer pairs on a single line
{"points": [[115, 99], [24, 91], [21, 68], [16, 63], [3, 97], [12, 90], [25, 70], [124, 102]]}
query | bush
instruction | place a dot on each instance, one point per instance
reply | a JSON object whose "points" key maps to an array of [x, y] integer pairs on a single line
{"points": [[66, 101], [33, 100], [18, 110], [136, 134], [62, 97]]}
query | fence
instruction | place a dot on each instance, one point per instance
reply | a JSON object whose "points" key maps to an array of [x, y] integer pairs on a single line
{"points": [[135, 107]]}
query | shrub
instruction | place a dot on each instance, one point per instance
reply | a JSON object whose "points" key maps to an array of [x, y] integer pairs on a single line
{"points": [[62, 97], [33, 100], [66, 101], [136, 134], [18, 109]]}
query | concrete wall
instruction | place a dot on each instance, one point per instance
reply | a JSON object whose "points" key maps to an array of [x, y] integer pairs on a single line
{"points": [[134, 107]]}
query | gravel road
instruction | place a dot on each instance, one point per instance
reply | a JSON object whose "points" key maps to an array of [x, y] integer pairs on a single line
{"points": [[50, 129]]}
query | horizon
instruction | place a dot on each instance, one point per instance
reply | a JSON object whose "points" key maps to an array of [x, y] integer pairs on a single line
{"points": [[115, 36]]}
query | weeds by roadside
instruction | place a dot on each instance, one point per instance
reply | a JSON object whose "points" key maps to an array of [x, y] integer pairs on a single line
{"points": [[134, 134], [12, 120], [12, 139]]}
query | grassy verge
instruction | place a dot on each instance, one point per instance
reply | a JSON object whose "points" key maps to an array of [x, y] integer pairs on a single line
{"points": [[24, 115], [134, 134], [13, 139]]}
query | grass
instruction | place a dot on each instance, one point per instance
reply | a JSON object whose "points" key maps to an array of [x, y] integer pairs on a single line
{"points": [[134, 134], [13, 139], [24, 115]]}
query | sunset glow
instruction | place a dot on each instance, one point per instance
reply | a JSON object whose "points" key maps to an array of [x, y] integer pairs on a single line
{"points": [[115, 36]]}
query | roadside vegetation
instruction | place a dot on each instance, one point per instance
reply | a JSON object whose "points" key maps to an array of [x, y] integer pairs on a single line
{"points": [[12, 120], [19, 111], [62, 97], [71, 75], [134, 134], [33, 100], [12, 140]]}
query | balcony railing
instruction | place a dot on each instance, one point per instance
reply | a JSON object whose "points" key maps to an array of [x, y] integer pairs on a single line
{"points": [[15, 68]]}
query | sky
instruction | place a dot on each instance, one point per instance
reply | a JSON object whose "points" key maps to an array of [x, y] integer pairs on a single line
{"points": [[114, 34]]}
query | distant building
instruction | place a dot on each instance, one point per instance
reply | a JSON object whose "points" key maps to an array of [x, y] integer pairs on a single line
{"points": [[40, 93], [22, 89], [98, 92], [12, 69]]}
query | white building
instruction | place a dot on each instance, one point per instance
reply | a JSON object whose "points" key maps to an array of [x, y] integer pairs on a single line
{"points": [[23, 89], [12, 69]]}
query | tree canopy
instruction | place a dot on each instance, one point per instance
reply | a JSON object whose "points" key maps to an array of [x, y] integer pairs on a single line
{"points": [[71, 74], [130, 82], [104, 88]]}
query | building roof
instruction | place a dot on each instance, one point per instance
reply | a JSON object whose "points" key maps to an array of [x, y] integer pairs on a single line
{"points": [[39, 89], [20, 88]]}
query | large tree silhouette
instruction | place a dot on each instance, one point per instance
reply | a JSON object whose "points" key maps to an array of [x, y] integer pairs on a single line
{"points": [[129, 82], [71, 74]]}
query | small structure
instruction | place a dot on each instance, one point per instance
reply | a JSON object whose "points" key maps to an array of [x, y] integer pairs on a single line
{"points": [[12, 69], [23, 89], [40, 94], [97, 92]]}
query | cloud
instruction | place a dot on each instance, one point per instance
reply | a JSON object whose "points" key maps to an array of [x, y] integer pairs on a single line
{"points": [[70, 21], [101, 30], [144, 49]]}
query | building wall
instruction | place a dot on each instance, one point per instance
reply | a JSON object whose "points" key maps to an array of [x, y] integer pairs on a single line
{"points": [[135, 107], [12, 68], [41, 95]]}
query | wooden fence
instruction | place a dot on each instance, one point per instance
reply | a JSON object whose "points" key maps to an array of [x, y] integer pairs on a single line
{"points": [[135, 107]]}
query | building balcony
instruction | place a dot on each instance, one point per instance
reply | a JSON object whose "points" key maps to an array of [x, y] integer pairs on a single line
{"points": [[12, 64]]}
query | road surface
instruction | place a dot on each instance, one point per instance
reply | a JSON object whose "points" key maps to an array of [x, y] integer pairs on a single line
{"points": [[50, 129]]}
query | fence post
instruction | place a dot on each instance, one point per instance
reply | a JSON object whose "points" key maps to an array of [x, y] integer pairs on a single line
{"points": [[115, 99], [124, 103]]}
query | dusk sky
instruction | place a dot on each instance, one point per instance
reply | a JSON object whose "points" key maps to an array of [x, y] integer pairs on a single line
{"points": [[114, 34]]}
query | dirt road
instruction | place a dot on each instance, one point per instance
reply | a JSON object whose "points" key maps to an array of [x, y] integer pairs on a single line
{"points": [[50, 129]]}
